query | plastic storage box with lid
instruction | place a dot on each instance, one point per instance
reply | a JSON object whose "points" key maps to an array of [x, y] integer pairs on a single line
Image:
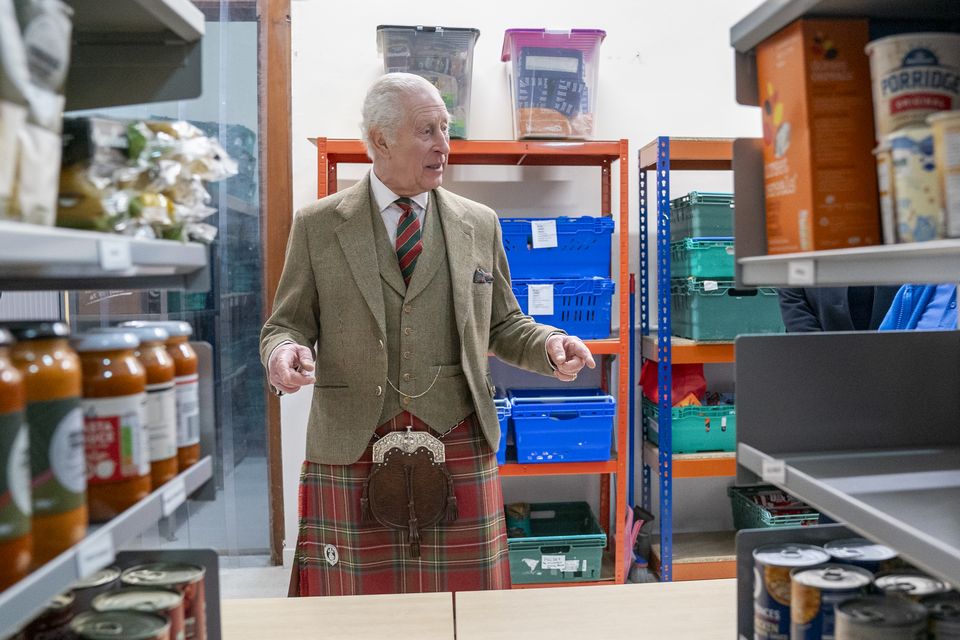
{"points": [[579, 306], [581, 247], [715, 310], [695, 428], [553, 81], [442, 55], [503, 416], [701, 214], [566, 545], [702, 258], [562, 425]]}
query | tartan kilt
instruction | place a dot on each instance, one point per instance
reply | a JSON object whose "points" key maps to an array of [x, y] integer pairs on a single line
{"points": [[467, 555]]}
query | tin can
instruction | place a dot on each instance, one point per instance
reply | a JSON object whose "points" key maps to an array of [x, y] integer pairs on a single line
{"points": [[888, 211], [162, 602], [944, 612], [909, 584], [815, 593], [946, 148], [863, 553], [187, 580], [880, 618], [92, 586], [54, 622], [919, 210], [771, 587], [129, 625], [913, 75]]}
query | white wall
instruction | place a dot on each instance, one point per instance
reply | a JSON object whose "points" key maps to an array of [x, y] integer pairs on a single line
{"points": [[666, 69]]}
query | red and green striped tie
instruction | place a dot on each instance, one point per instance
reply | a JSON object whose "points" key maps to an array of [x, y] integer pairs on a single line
{"points": [[409, 246]]}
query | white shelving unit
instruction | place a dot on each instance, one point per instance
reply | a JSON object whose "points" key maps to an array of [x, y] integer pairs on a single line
{"points": [[20, 602]]}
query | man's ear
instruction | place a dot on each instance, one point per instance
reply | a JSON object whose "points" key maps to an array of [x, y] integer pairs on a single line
{"points": [[379, 142]]}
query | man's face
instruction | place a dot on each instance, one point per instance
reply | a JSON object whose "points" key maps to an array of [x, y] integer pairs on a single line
{"points": [[415, 160]]}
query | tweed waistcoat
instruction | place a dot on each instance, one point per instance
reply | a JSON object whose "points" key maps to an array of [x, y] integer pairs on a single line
{"points": [[422, 342]]}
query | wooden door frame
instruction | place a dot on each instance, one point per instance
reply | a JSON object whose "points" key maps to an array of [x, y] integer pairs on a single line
{"points": [[276, 212]]}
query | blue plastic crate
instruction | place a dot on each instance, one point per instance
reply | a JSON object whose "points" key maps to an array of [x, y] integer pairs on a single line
{"points": [[562, 425], [581, 306], [583, 248], [503, 415]]}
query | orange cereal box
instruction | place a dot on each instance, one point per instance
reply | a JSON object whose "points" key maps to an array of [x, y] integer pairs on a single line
{"points": [[820, 177]]}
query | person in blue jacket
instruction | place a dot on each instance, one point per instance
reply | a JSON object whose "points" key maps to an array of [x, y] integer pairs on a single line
{"points": [[923, 307]]}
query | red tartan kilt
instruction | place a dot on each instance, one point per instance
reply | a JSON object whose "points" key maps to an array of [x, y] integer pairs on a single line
{"points": [[467, 555]]}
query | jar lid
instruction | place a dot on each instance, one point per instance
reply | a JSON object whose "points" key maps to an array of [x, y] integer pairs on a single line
{"points": [[95, 341], [37, 329], [147, 333], [175, 328], [6, 338]]}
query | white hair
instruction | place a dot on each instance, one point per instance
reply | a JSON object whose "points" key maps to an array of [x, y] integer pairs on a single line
{"points": [[383, 106]]}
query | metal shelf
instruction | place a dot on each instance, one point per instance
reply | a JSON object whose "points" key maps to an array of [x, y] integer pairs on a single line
{"points": [[34, 257], [20, 602], [902, 498], [692, 154], [696, 465], [685, 351], [709, 555], [558, 468], [134, 51]]}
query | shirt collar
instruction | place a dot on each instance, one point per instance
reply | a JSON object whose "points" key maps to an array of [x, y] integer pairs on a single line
{"points": [[385, 197]]}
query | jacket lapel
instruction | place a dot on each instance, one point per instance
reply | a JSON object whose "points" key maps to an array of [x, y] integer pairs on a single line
{"points": [[458, 234], [356, 236], [429, 261]]}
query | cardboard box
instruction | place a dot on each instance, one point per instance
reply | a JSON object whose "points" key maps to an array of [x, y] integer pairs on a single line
{"points": [[819, 173]]}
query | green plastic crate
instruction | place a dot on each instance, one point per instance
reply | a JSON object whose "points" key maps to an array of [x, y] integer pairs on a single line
{"points": [[715, 310], [699, 214], [696, 429], [702, 258], [566, 545], [747, 514]]}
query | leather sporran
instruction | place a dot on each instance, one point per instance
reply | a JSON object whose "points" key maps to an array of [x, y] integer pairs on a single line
{"points": [[409, 487]]}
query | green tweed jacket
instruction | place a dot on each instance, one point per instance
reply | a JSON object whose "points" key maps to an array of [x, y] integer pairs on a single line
{"points": [[330, 297]]}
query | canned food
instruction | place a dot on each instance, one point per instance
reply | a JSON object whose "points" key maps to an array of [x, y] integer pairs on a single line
{"points": [[946, 147], [914, 74], [944, 612], [863, 553], [888, 210], [910, 584], [771, 587], [100, 582], [880, 618], [919, 212], [814, 595], [163, 602], [187, 580], [129, 625], [54, 622]]}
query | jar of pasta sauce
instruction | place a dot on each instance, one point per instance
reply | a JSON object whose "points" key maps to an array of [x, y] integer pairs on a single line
{"points": [[16, 542], [115, 438], [52, 377]]}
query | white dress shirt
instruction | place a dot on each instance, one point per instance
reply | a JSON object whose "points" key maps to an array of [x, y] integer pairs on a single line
{"points": [[389, 211]]}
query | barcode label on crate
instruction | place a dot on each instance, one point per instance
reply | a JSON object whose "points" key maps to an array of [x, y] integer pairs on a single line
{"points": [[544, 234], [573, 565], [540, 297], [710, 285], [553, 562]]}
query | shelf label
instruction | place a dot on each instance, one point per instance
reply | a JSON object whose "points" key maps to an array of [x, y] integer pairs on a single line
{"points": [[801, 273], [553, 562], [114, 254], [540, 298], [710, 285], [174, 494], [544, 234], [94, 553], [773, 471]]}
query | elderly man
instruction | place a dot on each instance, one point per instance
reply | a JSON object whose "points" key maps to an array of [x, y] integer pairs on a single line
{"points": [[404, 289]]}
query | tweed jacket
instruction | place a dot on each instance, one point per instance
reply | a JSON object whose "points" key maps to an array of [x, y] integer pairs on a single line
{"points": [[330, 299]]}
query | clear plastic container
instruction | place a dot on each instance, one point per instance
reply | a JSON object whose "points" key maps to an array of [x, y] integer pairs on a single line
{"points": [[442, 55], [553, 81]]}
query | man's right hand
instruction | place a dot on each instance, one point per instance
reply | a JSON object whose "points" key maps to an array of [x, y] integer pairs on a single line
{"points": [[291, 367]]}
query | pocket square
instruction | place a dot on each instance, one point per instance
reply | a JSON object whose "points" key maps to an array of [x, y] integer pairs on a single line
{"points": [[482, 277]]}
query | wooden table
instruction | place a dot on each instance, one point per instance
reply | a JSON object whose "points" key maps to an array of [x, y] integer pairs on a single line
{"points": [[700, 610], [427, 616]]}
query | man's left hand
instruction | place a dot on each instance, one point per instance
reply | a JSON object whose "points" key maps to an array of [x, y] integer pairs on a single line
{"points": [[569, 355]]}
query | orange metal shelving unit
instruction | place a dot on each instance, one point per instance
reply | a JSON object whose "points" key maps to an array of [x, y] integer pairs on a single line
{"points": [[601, 154]]}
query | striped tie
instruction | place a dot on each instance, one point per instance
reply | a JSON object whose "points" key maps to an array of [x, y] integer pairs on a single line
{"points": [[409, 245]]}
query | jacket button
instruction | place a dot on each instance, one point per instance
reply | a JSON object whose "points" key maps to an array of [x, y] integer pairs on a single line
{"points": [[379, 391], [405, 401], [406, 377], [407, 331], [407, 308], [406, 355]]}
